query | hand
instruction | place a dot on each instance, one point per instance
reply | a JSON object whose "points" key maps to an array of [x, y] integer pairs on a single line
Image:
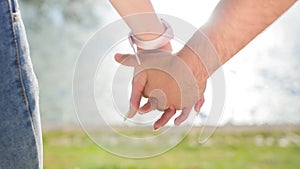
{"points": [[169, 112], [167, 81]]}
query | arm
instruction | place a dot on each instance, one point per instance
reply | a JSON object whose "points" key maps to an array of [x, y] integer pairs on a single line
{"points": [[145, 25], [233, 24], [134, 13]]}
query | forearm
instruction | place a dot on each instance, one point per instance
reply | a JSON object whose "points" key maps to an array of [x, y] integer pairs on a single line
{"points": [[234, 23], [140, 17]]}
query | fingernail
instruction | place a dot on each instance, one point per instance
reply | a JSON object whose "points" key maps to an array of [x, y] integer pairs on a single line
{"points": [[126, 116], [176, 122], [157, 129], [198, 110], [118, 56]]}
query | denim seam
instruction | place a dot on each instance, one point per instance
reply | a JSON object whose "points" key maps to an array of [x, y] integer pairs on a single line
{"points": [[13, 21], [24, 95], [17, 55]]}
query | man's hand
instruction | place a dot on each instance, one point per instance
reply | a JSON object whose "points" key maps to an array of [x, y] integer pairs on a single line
{"points": [[167, 81]]}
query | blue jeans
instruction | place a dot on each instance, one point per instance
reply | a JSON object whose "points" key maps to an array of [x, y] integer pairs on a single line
{"points": [[20, 129]]}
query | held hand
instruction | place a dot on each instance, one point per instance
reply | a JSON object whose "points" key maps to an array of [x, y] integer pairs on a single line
{"points": [[168, 83], [170, 111]]}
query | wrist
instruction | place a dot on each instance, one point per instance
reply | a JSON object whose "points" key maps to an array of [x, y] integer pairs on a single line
{"points": [[216, 38], [159, 42], [145, 28], [201, 52], [166, 47], [194, 63]]}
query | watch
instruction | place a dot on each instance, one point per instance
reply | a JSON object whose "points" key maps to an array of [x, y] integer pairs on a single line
{"points": [[156, 43]]}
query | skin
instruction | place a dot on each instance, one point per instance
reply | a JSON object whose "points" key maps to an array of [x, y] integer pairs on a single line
{"points": [[133, 12], [233, 24], [151, 75]]}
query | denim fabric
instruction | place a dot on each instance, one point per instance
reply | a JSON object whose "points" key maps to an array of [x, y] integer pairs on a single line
{"points": [[20, 129]]}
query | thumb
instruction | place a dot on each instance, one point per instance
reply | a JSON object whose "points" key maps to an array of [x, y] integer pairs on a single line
{"points": [[126, 59]]}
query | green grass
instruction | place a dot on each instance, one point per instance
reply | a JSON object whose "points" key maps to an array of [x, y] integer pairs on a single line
{"points": [[249, 149]]}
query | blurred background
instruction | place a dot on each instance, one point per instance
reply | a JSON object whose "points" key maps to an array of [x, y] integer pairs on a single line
{"points": [[262, 89]]}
